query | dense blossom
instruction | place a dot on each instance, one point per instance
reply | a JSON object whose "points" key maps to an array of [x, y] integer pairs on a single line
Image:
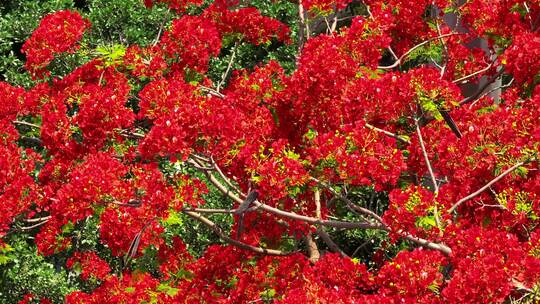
{"points": [[249, 23], [178, 5], [418, 122], [89, 264], [324, 6], [57, 33], [519, 57], [190, 43]]}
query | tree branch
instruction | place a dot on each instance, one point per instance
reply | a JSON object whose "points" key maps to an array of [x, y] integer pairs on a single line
{"points": [[484, 188], [229, 240], [400, 59]]}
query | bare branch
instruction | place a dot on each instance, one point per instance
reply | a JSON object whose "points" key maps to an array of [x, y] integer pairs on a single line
{"points": [[400, 138], [312, 249], [229, 66], [426, 158], [24, 123], [349, 202], [430, 170], [329, 242], [400, 59], [462, 79], [35, 220], [231, 241], [484, 188]]}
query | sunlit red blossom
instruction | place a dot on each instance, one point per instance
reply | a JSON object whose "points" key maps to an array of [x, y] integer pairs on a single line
{"points": [[278, 171], [174, 259], [119, 226], [342, 273], [145, 62], [408, 22], [324, 6], [179, 6], [57, 33], [491, 143], [412, 276], [521, 58], [89, 264], [366, 39], [17, 187], [167, 96], [188, 191], [500, 17], [154, 192], [190, 43], [51, 238], [359, 156], [126, 288], [254, 27], [413, 210], [99, 96], [464, 61], [311, 94], [497, 258], [95, 181], [12, 100]]}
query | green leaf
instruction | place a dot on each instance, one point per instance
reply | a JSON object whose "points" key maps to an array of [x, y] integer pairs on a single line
{"points": [[173, 219]]}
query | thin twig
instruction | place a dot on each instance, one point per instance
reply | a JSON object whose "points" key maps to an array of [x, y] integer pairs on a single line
{"points": [[212, 91], [398, 62], [484, 188], [473, 74], [231, 241], [26, 228], [24, 123], [229, 67], [38, 219], [349, 202], [400, 138], [430, 170]]}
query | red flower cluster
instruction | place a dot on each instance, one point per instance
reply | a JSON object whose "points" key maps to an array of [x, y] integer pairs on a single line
{"points": [[89, 264], [346, 120], [57, 33], [249, 23], [179, 6], [521, 58], [190, 43], [324, 6]]}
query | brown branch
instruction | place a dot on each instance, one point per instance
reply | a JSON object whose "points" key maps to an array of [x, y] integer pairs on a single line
{"points": [[473, 74], [400, 59], [39, 219], [349, 202], [229, 67], [212, 91], [24, 123], [312, 249], [430, 245], [26, 228], [481, 89], [229, 240], [225, 178], [329, 242], [426, 157], [484, 188], [336, 224], [400, 138], [430, 170]]}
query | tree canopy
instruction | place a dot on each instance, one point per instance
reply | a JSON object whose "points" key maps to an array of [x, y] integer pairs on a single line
{"points": [[227, 151]]}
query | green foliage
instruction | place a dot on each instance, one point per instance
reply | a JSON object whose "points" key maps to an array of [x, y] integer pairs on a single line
{"points": [[17, 21], [27, 272]]}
